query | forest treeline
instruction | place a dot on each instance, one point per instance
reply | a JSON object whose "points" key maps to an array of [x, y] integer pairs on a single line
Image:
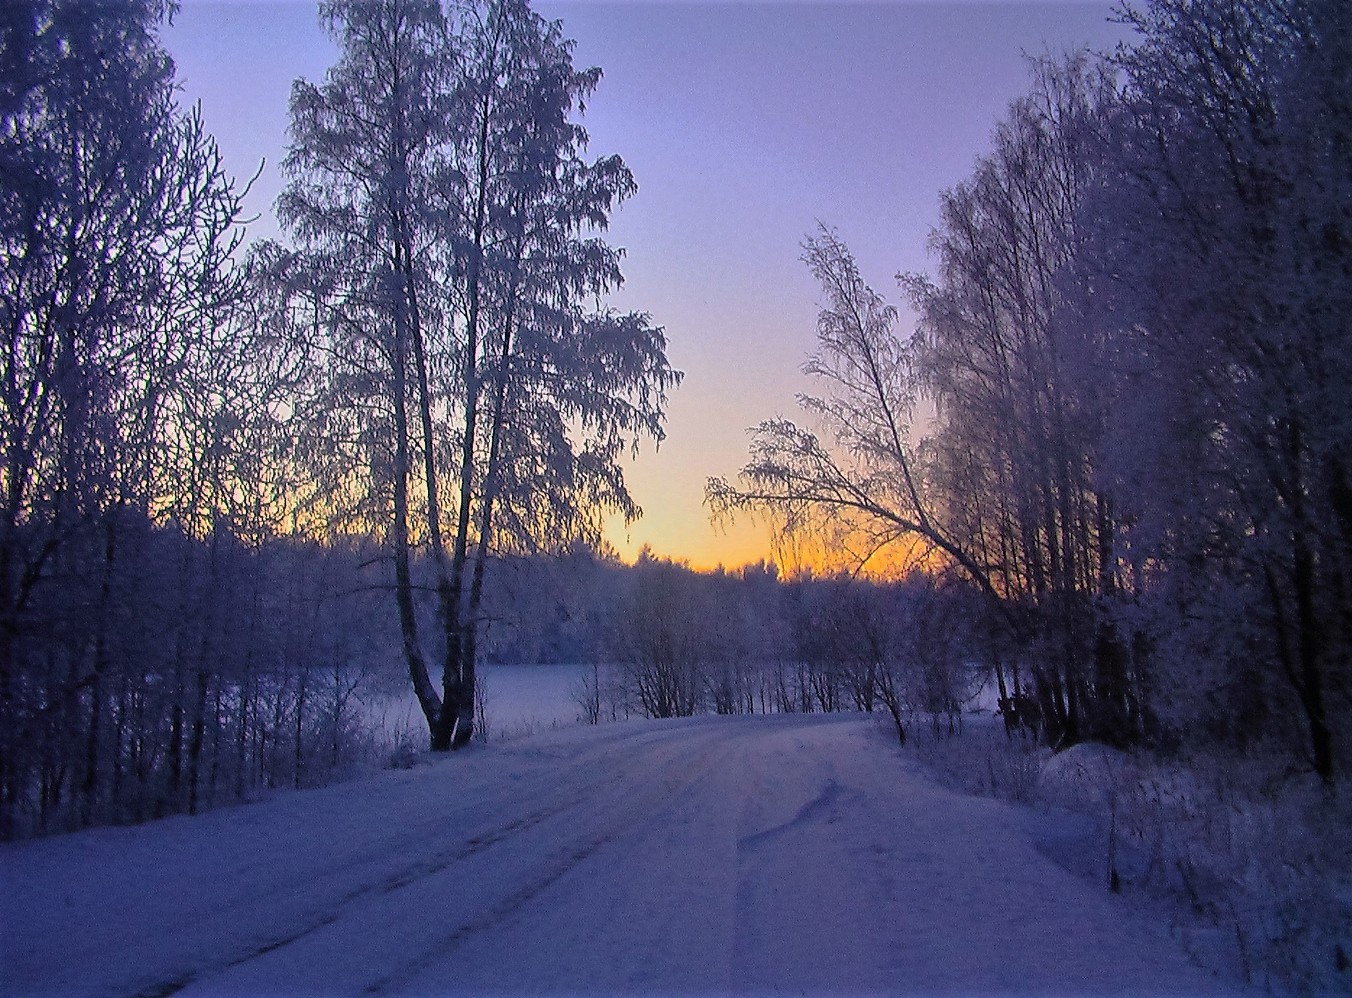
{"points": [[191, 672], [1137, 354]]}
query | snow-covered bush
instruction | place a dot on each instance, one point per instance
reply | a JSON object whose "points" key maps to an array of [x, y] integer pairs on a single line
{"points": [[1250, 861], [1244, 846], [985, 761]]}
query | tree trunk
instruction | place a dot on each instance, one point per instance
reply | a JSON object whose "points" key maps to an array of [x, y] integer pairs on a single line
{"points": [[1310, 650], [197, 737]]}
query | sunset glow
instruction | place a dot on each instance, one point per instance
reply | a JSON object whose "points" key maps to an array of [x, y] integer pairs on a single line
{"points": [[743, 123]]}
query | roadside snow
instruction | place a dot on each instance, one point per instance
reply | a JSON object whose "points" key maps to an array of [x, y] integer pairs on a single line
{"points": [[788, 855], [1083, 776]]}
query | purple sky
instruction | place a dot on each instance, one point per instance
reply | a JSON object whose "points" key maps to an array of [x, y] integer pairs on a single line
{"points": [[743, 123]]}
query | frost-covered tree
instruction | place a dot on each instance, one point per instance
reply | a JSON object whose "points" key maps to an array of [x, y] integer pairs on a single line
{"points": [[660, 639], [865, 486], [466, 400], [1219, 273], [553, 394], [1137, 346], [367, 287], [999, 491], [117, 293], [1014, 443]]}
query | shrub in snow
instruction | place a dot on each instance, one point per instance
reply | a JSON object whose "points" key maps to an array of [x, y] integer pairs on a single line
{"points": [[1250, 862], [984, 761], [1084, 777], [1242, 846], [403, 757]]}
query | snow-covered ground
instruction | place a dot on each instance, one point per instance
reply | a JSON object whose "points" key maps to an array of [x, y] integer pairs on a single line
{"points": [[519, 700], [784, 854]]}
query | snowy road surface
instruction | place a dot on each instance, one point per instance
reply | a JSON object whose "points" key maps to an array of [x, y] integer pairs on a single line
{"points": [[782, 855]]}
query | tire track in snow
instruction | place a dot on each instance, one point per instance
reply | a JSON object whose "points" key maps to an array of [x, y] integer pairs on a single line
{"points": [[789, 873], [639, 812], [341, 906], [820, 807], [392, 883], [491, 882]]}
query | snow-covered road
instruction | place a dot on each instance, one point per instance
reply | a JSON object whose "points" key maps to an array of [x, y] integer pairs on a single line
{"points": [[795, 855]]}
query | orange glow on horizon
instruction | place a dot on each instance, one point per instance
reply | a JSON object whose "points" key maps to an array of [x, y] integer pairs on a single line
{"points": [[692, 540], [748, 540]]}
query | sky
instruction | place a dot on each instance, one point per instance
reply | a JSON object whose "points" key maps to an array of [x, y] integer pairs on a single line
{"points": [[745, 124]]}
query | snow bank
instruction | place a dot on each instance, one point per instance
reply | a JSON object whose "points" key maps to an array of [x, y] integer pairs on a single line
{"points": [[1248, 862], [1084, 777]]}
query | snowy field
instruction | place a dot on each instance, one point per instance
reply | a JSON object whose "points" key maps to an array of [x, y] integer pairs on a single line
{"points": [[769, 855], [519, 700]]}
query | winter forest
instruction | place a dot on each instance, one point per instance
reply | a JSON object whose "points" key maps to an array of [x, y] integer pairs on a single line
{"points": [[1103, 484]]}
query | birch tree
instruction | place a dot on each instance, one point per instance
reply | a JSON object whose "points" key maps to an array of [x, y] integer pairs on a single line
{"points": [[868, 481], [1001, 488], [448, 221], [1015, 442], [552, 395]]}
